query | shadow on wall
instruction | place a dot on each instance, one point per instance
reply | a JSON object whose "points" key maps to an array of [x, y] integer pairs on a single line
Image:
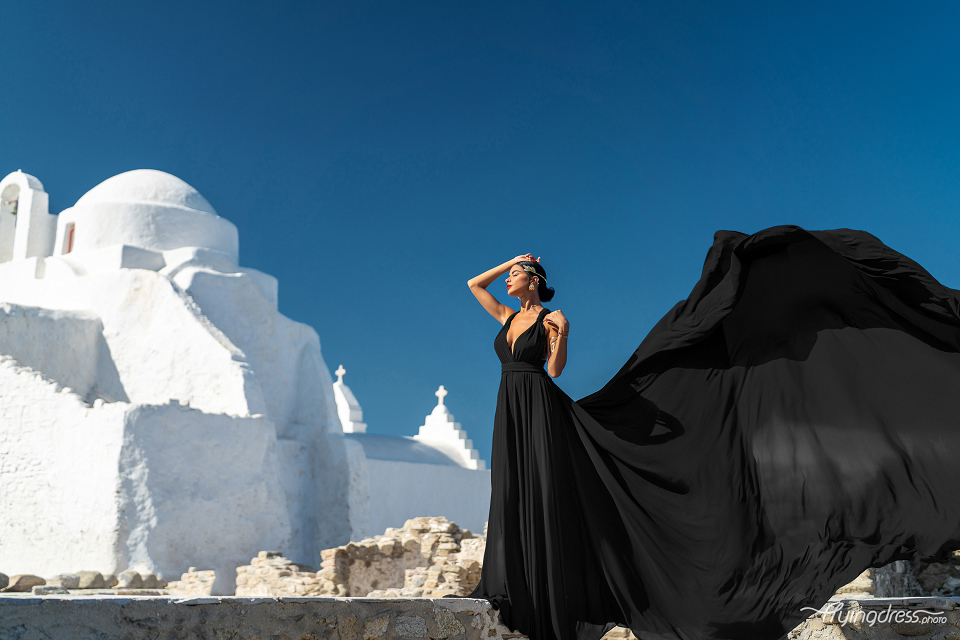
{"points": [[65, 346]]}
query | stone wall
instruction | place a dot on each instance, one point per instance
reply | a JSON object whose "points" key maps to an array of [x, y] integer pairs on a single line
{"points": [[67, 617], [426, 555], [455, 572], [270, 574], [83, 582], [194, 583]]}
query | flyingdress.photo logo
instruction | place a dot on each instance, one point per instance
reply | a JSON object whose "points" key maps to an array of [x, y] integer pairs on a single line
{"points": [[834, 613]]}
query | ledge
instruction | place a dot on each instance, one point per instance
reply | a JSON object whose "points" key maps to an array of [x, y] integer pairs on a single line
{"points": [[132, 617], [105, 617]]}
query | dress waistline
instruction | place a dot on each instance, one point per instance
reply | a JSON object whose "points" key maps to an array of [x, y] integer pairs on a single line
{"points": [[521, 367]]}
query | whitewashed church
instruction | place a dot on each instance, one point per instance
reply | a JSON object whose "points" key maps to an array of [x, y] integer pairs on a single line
{"points": [[157, 411]]}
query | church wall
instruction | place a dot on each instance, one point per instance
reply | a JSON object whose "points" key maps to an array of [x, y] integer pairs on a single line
{"points": [[111, 259], [331, 495], [285, 357], [315, 484], [272, 343], [26, 227], [359, 490], [8, 221], [403, 490], [165, 348], [212, 260], [296, 474], [35, 226], [146, 225], [198, 489], [161, 344], [111, 486], [63, 345], [59, 478]]}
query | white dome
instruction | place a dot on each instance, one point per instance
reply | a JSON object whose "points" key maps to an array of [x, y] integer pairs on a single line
{"points": [[146, 186], [148, 209]]}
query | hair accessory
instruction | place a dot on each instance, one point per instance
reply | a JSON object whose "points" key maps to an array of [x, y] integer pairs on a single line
{"points": [[530, 269]]}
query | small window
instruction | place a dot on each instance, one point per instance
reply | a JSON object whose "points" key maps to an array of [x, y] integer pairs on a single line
{"points": [[68, 238]]}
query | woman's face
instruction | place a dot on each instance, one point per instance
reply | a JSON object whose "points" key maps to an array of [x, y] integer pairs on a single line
{"points": [[518, 281]]}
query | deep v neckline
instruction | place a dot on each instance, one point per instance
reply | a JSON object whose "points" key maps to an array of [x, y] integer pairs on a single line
{"points": [[515, 340]]}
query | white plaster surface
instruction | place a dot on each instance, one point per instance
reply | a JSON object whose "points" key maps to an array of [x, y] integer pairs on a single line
{"points": [[213, 432], [441, 431], [349, 410], [228, 500], [358, 490], [400, 490], [65, 345], [29, 233], [157, 412], [59, 476], [435, 473], [147, 209]]}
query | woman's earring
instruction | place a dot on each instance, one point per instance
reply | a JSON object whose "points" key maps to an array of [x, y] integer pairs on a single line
{"points": [[531, 287]]}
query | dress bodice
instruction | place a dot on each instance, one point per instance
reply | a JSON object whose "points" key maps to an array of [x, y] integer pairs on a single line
{"points": [[529, 346]]}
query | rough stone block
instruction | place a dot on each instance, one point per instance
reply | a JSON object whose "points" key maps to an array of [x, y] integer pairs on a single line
{"points": [[65, 580], [129, 579], [194, 583], [24, 582], [91, 580], [50, 590], [447, 623], [152, 581], [411, 627], [375, 627]]}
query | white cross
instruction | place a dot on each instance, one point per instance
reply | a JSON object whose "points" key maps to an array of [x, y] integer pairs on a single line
{"points": [[340, 371], [441, 392]]}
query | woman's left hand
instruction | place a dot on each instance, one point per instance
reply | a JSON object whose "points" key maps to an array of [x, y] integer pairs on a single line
{"points": [[557, 320]]}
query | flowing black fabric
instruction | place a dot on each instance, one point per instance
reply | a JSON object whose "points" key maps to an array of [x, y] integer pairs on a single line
{"points": [[793, 422]]}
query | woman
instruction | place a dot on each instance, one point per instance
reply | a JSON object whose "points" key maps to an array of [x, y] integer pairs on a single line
{"points": [[791, 423]]}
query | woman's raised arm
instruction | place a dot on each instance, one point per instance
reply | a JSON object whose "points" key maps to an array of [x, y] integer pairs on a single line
{"points": [[478, 286]]}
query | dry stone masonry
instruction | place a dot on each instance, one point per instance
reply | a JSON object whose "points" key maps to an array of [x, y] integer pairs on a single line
{"points": [[270, 574], [130, 582], [193, 583], [428, 555]]}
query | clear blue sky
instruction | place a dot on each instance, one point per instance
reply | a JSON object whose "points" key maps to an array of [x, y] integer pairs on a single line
{"points": [[375, 156]]}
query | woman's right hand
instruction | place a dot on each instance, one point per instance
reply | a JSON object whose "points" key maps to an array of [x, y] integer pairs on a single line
{"points": [[527, 257]]}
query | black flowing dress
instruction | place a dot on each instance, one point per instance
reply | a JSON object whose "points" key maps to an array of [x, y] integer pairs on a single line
{"points": [[793, 422]]}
